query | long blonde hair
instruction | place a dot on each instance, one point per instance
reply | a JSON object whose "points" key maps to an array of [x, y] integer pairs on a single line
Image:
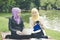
{"points": [[36, 17]]}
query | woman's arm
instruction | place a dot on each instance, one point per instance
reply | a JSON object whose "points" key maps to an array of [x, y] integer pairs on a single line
{"points": [[10, 25], [30, 23], [42, 25], [22, 25]]}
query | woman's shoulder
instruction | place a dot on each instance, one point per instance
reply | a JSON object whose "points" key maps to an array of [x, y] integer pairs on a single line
{"points": [[41, 19]]}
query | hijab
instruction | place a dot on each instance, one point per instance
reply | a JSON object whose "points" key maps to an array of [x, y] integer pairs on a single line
{"points": [[15, 12], [35, 12]]}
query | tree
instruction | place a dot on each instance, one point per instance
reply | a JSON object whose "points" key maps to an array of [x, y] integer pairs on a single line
{"points": [[37, 3], [24, 4], [6, 5]]}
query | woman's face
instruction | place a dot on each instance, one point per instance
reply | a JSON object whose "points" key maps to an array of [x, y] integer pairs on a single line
{"points": [[34, 13], [18, 14]]}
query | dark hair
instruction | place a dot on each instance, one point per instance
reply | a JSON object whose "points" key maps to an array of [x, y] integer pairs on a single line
{"points": [[37, 21]]}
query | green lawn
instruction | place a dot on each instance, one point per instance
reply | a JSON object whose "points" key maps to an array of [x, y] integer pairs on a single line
{"points": [[51, 14], [53, 34]]}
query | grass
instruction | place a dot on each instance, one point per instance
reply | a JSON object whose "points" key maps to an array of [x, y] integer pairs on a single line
{"points": [[51, 14], [3, 24], [53, 34]]}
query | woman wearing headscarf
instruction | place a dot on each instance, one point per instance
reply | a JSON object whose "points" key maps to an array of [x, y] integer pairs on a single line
{"points": [[37, 24], [15, 22]]}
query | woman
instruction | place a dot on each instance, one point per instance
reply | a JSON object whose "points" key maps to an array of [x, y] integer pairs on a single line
{"points": [[15, 22], [35, 18]]}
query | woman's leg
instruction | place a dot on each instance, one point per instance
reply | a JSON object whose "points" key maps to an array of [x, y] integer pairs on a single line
{"points": [[13, 33], [41, 35], [38, 35]]}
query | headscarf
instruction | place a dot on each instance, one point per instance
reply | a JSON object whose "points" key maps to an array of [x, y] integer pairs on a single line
{"points": [[15, 12], [36, 17]]}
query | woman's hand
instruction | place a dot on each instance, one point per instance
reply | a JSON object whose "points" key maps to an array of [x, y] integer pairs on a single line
{"points": [[19, 32]]}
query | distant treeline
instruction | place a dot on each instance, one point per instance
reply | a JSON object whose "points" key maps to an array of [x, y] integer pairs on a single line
{"points": [[7, 5]]}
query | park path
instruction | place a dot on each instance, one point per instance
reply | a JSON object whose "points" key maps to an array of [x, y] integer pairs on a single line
{"points": [[52, 24]]}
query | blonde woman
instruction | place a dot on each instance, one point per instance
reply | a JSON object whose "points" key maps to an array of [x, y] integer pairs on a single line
{"points": [[36, 19]]}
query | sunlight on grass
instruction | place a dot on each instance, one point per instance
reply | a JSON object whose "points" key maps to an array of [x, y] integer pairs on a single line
{"points": [[3, 24], [53, 34], [26, 25]]}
